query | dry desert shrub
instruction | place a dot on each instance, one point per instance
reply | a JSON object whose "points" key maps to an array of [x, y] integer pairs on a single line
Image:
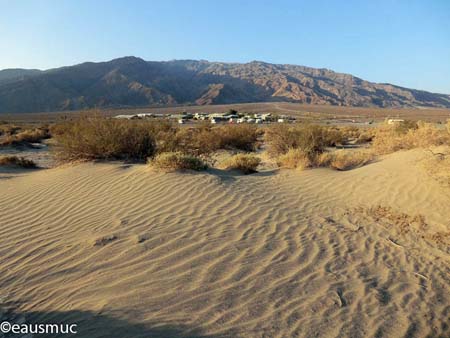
{"points": [[345, 159], [294, 159], [240, 136], [16, 137], [14, 161], [8, 129], [173, 161], [99, 138], [311, 139], [389, 139], [246, 163], [365, 137], [205, 139]]}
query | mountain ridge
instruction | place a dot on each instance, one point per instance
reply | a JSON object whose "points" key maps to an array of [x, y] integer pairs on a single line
{"points": [[131, 82]]}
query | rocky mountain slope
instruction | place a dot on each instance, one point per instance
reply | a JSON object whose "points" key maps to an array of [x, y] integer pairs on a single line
{"points": [[131, 81]]}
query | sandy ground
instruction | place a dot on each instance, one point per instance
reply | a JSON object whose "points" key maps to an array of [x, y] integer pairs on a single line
{"points": [[126, 252]]}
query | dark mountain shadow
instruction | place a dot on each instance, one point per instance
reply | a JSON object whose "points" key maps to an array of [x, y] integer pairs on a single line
{"points": [[92, 325]]}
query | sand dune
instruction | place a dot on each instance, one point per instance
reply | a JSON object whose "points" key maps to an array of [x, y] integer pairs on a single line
{"points": [[127, 252]]}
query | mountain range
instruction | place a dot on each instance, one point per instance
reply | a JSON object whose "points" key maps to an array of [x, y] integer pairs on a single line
{"points": [[132, 82]]}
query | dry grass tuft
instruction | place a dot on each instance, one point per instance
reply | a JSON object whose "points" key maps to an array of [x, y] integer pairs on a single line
{"points": [[173, 161], [345, 159], [14, 161], [294, 159], [246, 163], [402, 224]]}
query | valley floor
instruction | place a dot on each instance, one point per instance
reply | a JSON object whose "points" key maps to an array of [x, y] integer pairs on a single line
{"points": [[126, 252]]}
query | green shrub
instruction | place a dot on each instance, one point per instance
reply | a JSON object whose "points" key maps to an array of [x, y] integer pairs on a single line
{"points": [[172, 161]]}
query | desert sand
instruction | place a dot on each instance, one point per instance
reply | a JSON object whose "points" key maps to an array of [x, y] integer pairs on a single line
{"points": [[127, 252]]}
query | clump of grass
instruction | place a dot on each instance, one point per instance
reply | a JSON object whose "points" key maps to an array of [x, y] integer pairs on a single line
{"points": [[246, 163], [294, 159], [99, 138], [173, 161], [345, 160], [392, 138], [14, 161]]}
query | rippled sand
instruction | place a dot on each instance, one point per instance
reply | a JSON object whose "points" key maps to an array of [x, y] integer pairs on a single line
{"points": [[127, 252]]}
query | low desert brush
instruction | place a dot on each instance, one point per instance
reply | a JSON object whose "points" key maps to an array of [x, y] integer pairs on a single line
{"points": [[172, 161], [14, 161], [311, 139], [240, 136], [246, 163], [294, 159], [99, 138], [345, 159], [389, 139], [205, 139], [26, 136]]}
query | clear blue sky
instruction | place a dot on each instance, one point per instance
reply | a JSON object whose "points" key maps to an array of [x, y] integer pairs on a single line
{"points": [[401, 42]]}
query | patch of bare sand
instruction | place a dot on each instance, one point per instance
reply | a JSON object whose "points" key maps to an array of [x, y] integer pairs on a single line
{"points": [[127, 252]]}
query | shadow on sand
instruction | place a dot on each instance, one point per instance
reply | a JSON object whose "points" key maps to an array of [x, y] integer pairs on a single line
{"points": [[91, 325]]}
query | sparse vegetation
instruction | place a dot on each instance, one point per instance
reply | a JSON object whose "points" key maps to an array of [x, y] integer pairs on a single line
{"points": [[14, 135], [311, 139], [242, 137], [345, 159], [172, 161], [205, 139], [246, 163], [14, 161], [389, 139], [98, 138]]}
